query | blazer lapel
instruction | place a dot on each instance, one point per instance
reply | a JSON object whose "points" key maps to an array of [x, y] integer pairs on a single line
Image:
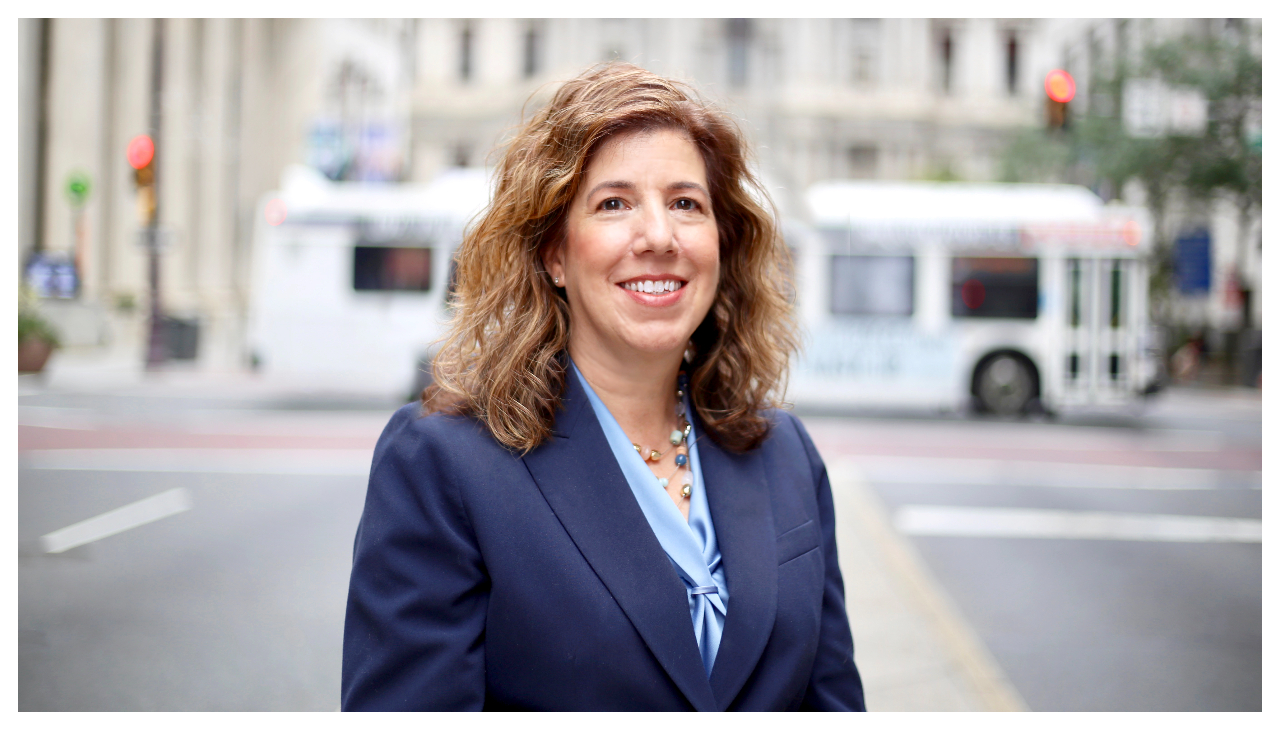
{"points": [[580, 479], [738, 495]]}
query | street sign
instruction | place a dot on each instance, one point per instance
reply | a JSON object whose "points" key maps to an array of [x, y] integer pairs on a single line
{"points": [[164, 237], [1152, 108], [1193, 262], [77, 189], [1143, 107], [1188, 112]]}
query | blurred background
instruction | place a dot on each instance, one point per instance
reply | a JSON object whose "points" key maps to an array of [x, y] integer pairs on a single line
{"points": [[1027, 258]]}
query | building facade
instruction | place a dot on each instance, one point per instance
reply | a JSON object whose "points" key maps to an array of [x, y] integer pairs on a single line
{"points": [[402, 100]]}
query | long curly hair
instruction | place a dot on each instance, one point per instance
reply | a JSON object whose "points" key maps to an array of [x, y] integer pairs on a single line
{"points": [[503, 359]]}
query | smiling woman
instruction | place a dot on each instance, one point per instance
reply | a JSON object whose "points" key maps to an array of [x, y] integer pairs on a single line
{"points": [[550, 529]]}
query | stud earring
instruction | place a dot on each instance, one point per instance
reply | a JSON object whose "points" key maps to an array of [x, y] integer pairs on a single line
{"points": [[555, 280]]}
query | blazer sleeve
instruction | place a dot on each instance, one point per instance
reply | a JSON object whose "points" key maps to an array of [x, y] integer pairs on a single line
{"points": [[413, 638], [834, 683]]}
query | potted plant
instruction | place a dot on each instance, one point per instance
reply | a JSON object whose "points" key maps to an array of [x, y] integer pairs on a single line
{"points": [[37, 339]]}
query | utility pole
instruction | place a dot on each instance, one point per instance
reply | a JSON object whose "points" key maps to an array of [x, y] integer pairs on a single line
{"points": [[156, 350]]}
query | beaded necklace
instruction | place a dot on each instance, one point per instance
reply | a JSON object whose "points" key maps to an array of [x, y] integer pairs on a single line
{"points": [[679, 439]]}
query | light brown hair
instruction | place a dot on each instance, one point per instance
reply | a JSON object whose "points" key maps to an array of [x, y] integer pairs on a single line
{"points": [[503, 360]]}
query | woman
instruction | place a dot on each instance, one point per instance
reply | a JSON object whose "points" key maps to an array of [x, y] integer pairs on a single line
{"points": [[600, 508]]}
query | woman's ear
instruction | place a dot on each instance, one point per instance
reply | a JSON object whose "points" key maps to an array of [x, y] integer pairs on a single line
{"points": [[553, 263]]}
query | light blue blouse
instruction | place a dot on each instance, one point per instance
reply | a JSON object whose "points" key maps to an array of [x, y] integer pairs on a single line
{"points": [[691, 545]]}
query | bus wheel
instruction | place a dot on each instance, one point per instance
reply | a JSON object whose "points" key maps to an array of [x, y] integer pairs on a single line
{"points": [[1005, 386]]}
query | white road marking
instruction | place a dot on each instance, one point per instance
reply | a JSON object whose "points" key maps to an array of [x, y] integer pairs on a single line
{"points": [[312, 462], [993, 472], [935, 520], [118, 520]]}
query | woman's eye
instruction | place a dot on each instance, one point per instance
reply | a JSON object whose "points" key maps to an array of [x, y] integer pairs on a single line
{"points": [[611, 204], [686, 204]]}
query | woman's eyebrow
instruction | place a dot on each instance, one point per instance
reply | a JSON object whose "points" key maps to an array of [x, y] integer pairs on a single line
{"points": [[613, 184], [688, 186]]}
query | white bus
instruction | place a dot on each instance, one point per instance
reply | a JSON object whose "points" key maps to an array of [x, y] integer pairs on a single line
{"points": [[1003, 297], [349, 290]]}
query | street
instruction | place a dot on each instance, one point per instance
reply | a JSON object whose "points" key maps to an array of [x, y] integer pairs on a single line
{"points": [[1074, 569], [1127, 622]]}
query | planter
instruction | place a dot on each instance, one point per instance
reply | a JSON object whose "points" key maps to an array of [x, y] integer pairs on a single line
{"points": [[33, 353]]}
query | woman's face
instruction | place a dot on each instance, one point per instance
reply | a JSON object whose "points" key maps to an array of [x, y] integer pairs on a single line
{"points": [[640, 260]]}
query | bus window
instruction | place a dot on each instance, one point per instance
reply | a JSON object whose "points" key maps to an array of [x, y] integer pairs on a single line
{"points": [[995, 287], [387, 268], [873, 285]]}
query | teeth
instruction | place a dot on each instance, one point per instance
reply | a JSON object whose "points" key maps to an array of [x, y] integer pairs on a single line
{"points": [[653, 287]]}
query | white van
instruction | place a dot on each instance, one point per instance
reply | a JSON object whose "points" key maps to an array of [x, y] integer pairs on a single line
{"points": [[350, 288]]}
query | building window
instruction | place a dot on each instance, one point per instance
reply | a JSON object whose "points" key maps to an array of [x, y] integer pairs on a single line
{"points": [[391, 268], [465, 61], [739, 35], [873, 285], [461, 154], [532, 43], [865, 43], [863, 161], [946, 52], [1011, 65], [989, 287]]}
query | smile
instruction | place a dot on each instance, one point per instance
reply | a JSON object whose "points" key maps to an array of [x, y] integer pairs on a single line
{"points": [[653, 287]]}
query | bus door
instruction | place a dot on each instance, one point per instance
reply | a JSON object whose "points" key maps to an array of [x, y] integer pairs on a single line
{"points": [[1100, 342]]}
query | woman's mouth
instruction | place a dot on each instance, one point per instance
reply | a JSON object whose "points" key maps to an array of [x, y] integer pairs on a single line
{"points": [[649, 286]]}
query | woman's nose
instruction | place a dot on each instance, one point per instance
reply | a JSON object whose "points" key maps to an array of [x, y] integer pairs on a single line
{"points": [[657, 233]]}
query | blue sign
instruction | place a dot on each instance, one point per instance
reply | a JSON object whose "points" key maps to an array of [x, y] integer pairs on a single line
{"points": [[53, 275], [1194, 262]]}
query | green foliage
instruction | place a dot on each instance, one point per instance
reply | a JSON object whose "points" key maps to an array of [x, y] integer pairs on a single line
{"points": [[32, 326], [1036, 156]]}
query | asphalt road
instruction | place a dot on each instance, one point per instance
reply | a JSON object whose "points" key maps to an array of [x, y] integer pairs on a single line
{"points": [[232, 599], [1125, 612]]}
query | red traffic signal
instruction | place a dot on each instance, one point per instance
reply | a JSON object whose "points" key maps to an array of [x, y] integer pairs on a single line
{"points": [[1059, 85], [140, 151]]}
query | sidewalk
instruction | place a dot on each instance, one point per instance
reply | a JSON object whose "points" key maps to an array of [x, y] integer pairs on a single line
{"points": [[915, 651]]}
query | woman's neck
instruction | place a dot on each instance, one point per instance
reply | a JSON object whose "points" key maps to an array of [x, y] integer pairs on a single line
{"points": [[639, 392]]}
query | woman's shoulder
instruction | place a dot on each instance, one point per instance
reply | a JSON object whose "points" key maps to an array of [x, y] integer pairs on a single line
{"points": [[788, 438], [412, 432]]}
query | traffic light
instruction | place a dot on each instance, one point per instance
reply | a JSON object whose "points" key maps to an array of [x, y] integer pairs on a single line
{"points": [[1060, 89], [141, 154]]}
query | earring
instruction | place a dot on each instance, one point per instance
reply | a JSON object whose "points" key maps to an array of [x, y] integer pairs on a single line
{"points": [[555, 280]]}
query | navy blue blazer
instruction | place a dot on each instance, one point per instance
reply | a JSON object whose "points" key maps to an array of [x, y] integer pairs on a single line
{"points": [[486, 580]]}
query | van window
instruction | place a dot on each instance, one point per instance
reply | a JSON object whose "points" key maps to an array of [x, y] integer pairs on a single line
{"points": [[995, 287], [388, 268], [873, 285]]}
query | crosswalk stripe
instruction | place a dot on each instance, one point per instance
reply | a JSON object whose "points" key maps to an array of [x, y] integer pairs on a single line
{"points": [[117, 520], [948, 521], [992, 472]]}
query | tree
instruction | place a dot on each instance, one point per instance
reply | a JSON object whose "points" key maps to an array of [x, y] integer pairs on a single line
{"points": [[1226, 161]]}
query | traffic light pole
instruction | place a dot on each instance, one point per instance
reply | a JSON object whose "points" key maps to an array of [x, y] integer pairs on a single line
{"points": [[156, 350]]}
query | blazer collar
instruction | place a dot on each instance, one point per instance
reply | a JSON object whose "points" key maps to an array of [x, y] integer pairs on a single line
{"points": [[580, 479]]}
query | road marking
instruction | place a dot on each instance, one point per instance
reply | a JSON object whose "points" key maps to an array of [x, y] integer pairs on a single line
{"points": [[993, 472], [118, 520], [309, 462], [933, 520]]}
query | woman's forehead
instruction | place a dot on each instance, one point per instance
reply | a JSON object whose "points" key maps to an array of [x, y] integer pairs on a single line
{"points": [[644, 149]]}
